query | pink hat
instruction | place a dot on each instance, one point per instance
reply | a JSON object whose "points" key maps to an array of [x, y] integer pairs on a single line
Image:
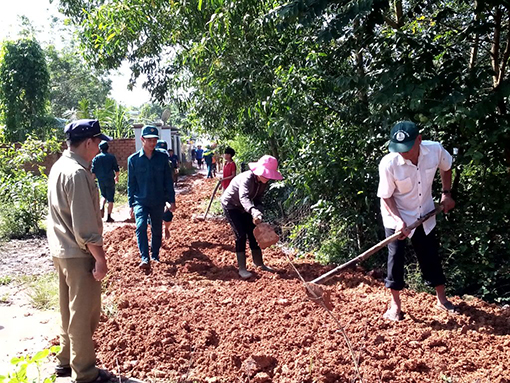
{"points": [[266, 167]]}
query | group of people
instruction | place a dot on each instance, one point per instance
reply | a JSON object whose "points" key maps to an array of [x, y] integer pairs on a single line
{"points": [[210, 156], [75, 224]]}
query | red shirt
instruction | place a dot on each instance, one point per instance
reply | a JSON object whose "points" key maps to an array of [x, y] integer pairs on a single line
{"points": [[228, 170]]}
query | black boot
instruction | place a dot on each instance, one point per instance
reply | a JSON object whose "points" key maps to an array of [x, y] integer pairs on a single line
{"points": [[257, 260], [241, 262]]}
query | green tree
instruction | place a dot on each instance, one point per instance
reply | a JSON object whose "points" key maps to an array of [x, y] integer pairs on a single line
{"points": [[319, 84], [71, 81], [114, 119], [24, 88]]}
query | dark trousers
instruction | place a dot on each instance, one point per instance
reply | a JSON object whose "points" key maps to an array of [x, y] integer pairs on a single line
{"points": [[426, 248], [242, 225], [142, 213]]}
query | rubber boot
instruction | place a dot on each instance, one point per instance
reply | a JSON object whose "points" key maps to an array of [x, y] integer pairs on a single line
{"points": [[241, 262], [257, 260]]}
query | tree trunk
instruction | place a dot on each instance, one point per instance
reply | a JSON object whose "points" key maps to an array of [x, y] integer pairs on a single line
{"points": [[475, 44], [358, 58], [498, 14]]}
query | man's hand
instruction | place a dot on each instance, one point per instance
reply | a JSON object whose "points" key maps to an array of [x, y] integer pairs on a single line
{"points": [[131, 212], [100, 270], [257, 216], [402, 227], [173, 207], [448, 202]]}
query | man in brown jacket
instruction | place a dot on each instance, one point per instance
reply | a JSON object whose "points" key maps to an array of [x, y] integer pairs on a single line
{"points": [[76, 243]]}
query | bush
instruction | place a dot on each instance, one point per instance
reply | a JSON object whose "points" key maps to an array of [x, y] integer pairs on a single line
{"points": [[123, 182], [23, 194], [24, 371]]}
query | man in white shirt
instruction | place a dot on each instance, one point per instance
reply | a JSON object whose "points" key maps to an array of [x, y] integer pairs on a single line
{"points": [[406, 175]]}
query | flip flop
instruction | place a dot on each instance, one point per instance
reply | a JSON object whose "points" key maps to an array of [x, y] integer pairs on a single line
{"points": [[393, 315], [448, 307]]}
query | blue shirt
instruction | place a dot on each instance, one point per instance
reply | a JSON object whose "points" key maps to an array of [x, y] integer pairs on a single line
{"points": [[104, 166], [175, 159], [200, 153], [150, 181]]}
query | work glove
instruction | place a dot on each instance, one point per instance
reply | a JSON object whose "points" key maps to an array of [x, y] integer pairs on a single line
{"points": [[256, 215]]}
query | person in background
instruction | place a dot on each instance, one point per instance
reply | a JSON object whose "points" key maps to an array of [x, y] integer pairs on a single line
{"points": [[208, 158], [229, 170], [193, 155], [219, 161], [200, 156], [75, 238], [406, 176], [242, 205], [214, 164], [162, 146], [106, 170], [174, 160], [150, 187]]}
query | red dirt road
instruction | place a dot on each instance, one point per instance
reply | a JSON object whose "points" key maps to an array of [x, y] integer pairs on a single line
{"points": [[193, 320]]}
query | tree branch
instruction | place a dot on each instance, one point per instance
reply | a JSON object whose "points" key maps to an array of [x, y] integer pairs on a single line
{"points": [[398, 13], [495, 45], [504, 59], [476, 41]]}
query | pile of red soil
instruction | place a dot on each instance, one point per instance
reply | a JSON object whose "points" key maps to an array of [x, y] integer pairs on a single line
{"points": [[191, 319]]}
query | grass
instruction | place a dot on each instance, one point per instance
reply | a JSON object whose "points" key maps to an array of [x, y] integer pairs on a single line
{"points": [[121, 199], [109, 306], [5, 280], [43, 291], [215, 210], [184, 171], [5, 298]]}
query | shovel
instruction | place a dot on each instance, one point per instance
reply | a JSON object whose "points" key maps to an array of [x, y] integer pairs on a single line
{"points": [[378, 246]]}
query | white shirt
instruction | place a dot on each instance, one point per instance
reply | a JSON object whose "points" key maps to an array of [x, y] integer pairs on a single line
{"points": [[411, 185]]}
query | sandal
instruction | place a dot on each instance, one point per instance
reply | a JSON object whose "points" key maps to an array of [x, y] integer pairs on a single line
{"points": [[103, 377], [448, 307]]}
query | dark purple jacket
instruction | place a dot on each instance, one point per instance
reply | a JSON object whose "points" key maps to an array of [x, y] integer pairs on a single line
{"points": [[244, 193]]}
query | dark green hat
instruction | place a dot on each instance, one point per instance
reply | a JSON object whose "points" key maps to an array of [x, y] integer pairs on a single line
{"points": [[402, 136], [150, 131], [161, 144], [103, 145]]}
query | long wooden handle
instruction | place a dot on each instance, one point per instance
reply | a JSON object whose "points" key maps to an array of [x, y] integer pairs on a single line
{"points": [[212, 198], [378, 246]]}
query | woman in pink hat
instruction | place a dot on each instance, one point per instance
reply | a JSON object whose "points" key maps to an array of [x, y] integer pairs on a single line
{"points": [[242, 204]]}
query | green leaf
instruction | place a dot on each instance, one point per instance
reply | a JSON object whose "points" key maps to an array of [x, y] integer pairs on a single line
{"points": [[41, 355]]}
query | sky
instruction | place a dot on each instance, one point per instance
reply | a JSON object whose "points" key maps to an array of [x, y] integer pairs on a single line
{"points": [[40, 13]]}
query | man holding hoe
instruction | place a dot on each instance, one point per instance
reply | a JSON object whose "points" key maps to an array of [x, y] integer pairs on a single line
{"points": [[405, 188]]}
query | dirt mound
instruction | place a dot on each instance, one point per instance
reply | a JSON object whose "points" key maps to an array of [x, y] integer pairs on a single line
{"points": [[192, 319]]}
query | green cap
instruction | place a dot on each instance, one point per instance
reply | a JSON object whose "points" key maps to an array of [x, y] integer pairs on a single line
{"points": [[402, 136]]}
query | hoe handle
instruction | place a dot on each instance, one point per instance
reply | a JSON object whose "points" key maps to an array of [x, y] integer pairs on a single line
{"points": [[212, 198], [378, 246]]}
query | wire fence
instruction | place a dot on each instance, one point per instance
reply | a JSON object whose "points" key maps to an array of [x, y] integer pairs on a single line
{"points": [[292, 219]]}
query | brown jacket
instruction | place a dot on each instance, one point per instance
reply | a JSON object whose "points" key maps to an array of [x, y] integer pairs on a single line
{"points": [[74, 218]]}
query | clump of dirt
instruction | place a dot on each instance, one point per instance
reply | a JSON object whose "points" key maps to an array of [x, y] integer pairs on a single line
{"points": [[192, 319]]}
